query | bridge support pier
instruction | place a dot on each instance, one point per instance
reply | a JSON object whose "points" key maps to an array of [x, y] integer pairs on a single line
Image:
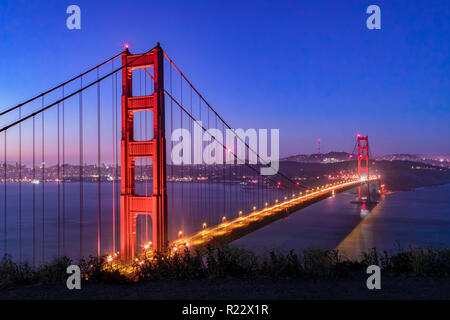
{"points": [[132, 205]]}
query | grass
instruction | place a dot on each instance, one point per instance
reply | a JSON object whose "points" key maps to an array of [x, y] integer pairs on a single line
{"points": [[232, 262]]}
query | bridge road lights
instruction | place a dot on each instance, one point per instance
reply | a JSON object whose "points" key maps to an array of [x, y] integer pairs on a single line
{"points": [[203, 229], [224, 219]]}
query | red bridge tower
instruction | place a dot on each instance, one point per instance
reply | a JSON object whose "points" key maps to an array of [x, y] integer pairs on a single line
{"points": [[132, 205], [363, 168]]}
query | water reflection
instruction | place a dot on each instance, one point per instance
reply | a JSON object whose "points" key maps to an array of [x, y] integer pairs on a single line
{"points": [[363, 236], [364, 211]]}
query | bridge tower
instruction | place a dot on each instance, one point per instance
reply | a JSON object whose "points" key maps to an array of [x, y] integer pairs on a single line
{"points": [[132, 205], [363, 168]]}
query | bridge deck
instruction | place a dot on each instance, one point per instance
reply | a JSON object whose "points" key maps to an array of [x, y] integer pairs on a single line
{"points": [[231, 230]]}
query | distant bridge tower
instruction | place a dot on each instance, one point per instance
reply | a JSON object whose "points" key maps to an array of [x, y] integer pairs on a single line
{"points": [[131, 205], [363, 168]]}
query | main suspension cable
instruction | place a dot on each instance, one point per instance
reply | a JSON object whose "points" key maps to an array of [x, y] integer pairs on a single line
{"points": [[59, 86], [74, 93], [226, 124]]}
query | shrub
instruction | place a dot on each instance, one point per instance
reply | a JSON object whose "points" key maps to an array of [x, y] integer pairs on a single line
{"points": [[317, 262], [53, 271], [12, 274], [232, 262], [97, 269]]}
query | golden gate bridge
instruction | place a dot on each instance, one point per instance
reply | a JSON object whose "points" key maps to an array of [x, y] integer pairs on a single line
{"points": [[60, 198]]}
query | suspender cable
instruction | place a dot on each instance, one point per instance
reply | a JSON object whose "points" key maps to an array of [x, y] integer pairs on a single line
{"points": [[223, 175], [5, 199], [201, 165], [20, 189], [172, 184], [216, 180], [182, 166], [34, 192], [59, 190], [63, 179], [99, 190], [209, 182], [230, 179], [43, 187], [191, 168], [141, 138], [80, 105]]}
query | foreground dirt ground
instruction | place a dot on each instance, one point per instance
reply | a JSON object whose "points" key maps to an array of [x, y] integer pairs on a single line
{"points": [[254, 289]]}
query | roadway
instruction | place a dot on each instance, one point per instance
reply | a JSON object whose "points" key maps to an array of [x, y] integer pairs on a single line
{"points": [[228, 231]]}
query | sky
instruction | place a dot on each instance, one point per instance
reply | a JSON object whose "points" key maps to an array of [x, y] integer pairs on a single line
{"points": [[309, 68]]}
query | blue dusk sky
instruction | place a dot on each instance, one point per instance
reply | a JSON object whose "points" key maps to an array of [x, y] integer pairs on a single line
{"points": [[310, 68]]}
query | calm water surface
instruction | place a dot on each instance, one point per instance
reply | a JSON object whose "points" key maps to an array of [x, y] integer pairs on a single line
{"points": [[419, 217]]}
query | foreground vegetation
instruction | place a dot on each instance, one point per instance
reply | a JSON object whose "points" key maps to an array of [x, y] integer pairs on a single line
{"points": [[231, 262]]}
